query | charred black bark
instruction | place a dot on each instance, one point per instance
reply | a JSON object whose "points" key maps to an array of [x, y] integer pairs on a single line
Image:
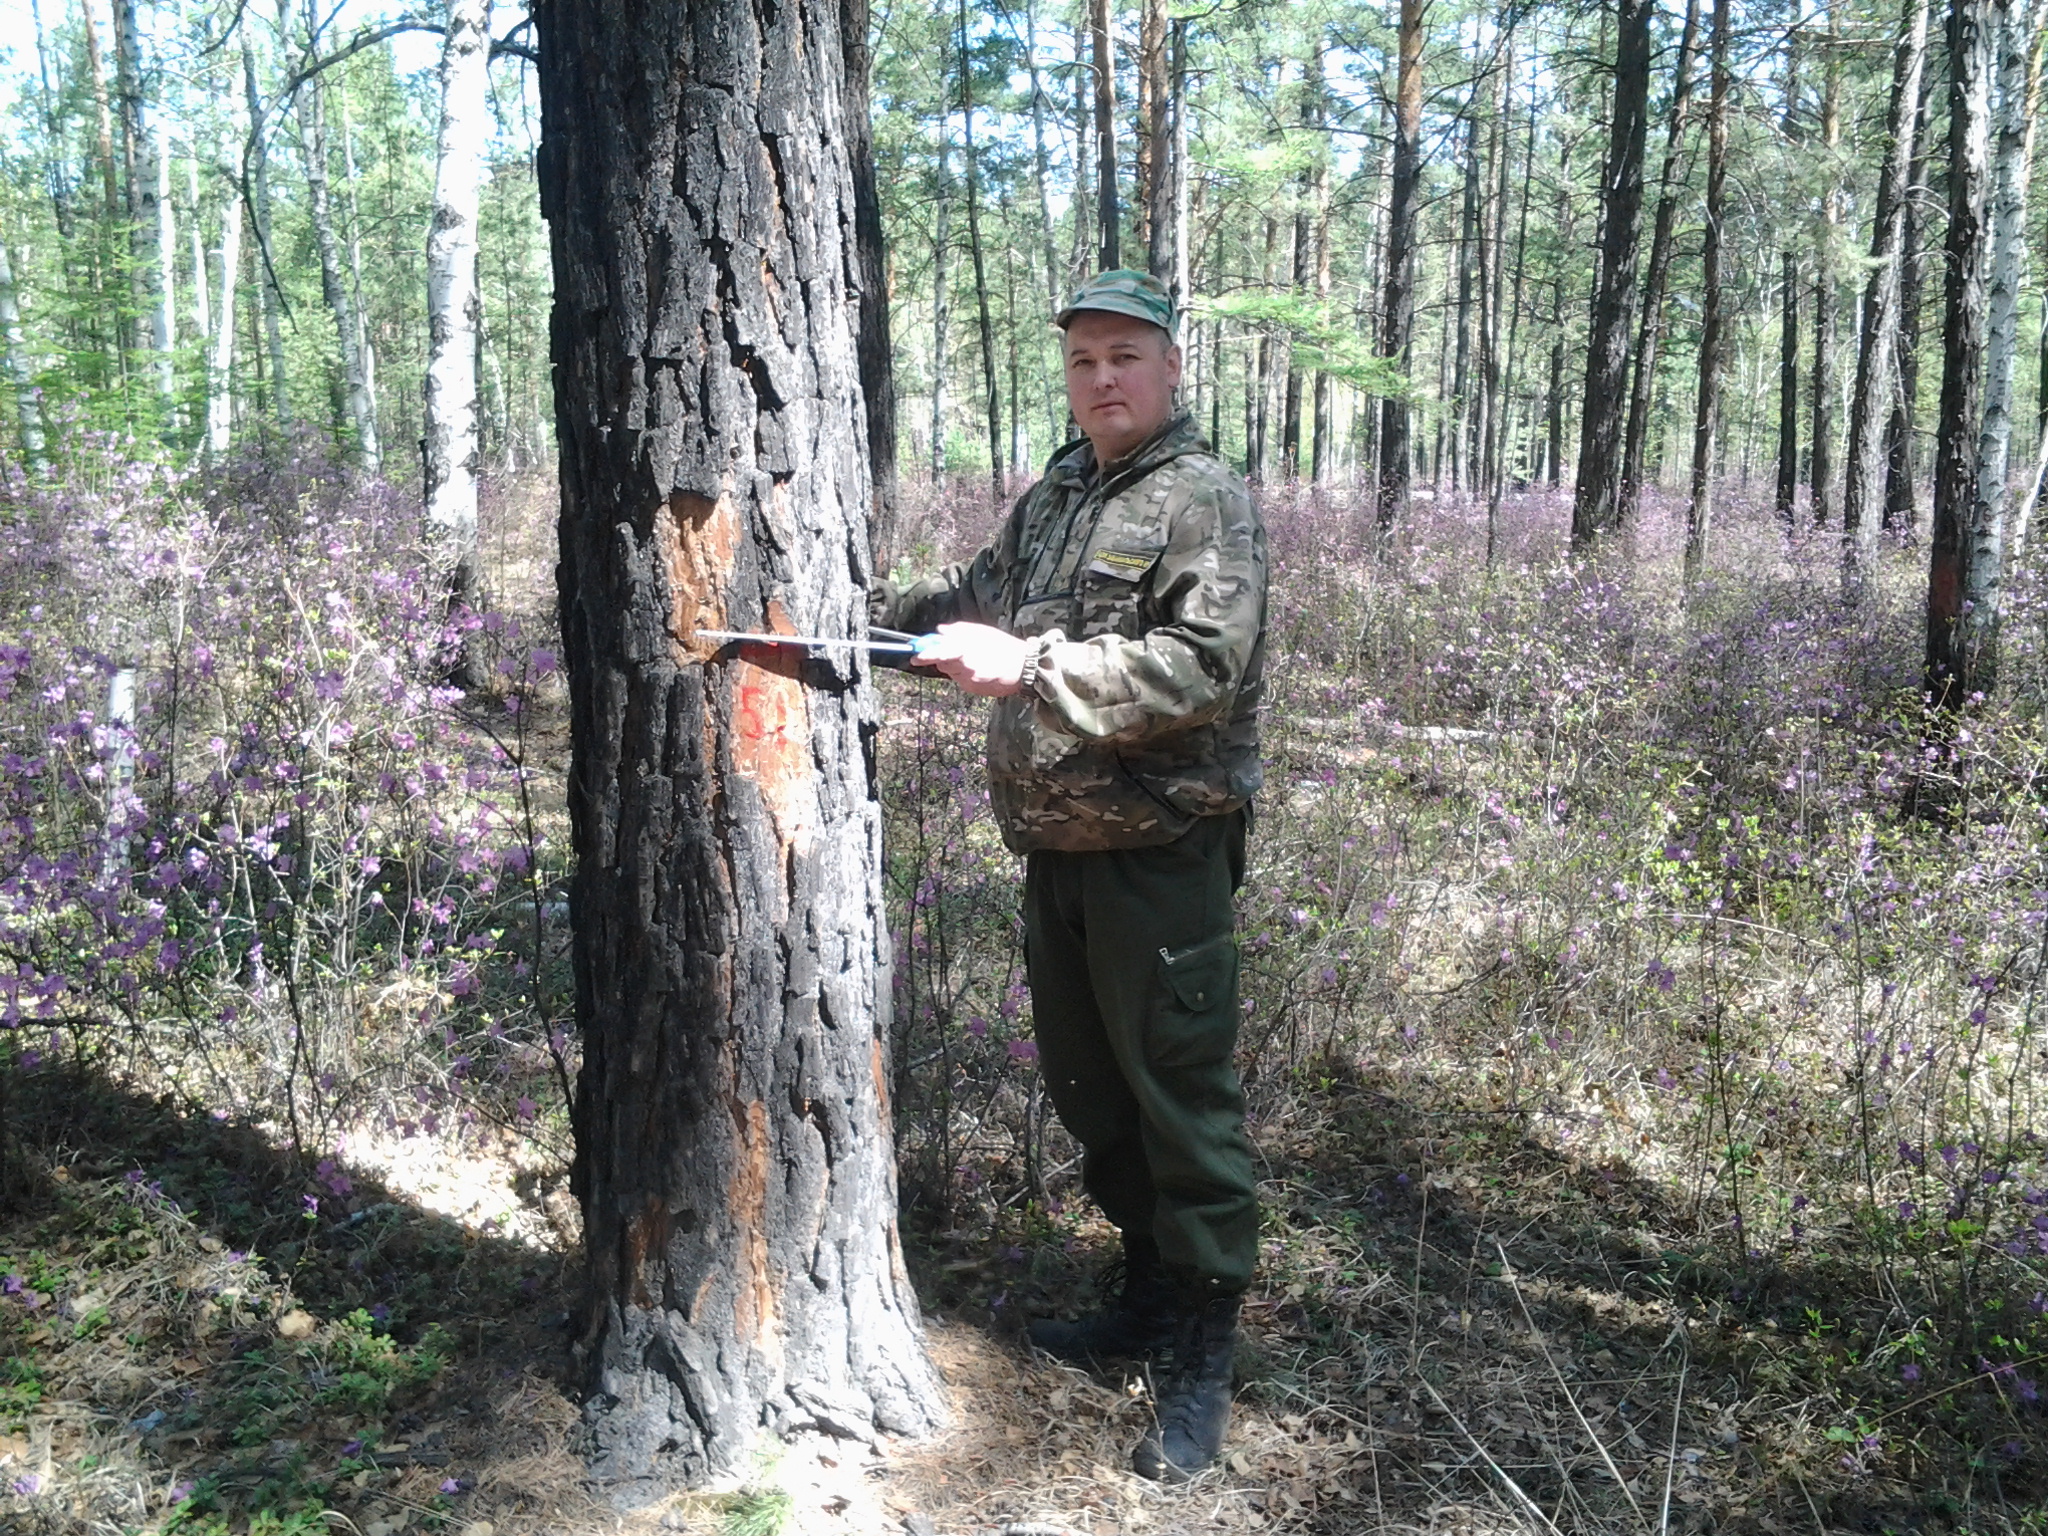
{"points": [[732, 1124]]}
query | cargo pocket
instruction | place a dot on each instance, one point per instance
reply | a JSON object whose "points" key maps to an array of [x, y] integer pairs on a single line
{"points": [[1194, 1014]]}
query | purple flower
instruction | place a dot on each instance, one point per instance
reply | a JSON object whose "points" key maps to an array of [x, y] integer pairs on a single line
{"points": [[28, 1485], [1909, 1372], [1023, 1050]]}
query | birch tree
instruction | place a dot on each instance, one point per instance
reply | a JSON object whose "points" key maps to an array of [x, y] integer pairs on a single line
{"points": [[454, 305]]}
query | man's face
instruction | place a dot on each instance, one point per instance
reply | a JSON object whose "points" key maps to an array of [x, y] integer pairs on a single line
{"points": [[1121, 373]]}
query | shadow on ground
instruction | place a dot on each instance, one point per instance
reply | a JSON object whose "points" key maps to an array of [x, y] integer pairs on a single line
{"points": [[204, 1333]]}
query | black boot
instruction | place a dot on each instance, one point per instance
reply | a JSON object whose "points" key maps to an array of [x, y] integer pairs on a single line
{"points": [[1138, 1321], [1194, 1397]]}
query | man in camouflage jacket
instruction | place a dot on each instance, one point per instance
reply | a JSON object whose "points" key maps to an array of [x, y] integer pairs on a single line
{"points": [[1119, 623]]}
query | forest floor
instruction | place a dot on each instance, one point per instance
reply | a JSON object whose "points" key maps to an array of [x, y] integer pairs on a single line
{"points": [[1506, 1282]]}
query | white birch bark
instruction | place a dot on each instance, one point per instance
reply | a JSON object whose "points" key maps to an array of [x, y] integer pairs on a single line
{"points": [[2012, 143], [202, 305], [258, 173], [14, 353], [161, 220], [454, 306], [220, 361]]}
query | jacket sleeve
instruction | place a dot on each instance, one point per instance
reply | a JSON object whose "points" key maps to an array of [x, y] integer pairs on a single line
{"points": [[1210, 585], [970, 590]]}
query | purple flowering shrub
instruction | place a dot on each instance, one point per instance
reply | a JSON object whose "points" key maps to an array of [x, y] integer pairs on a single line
{"points": [[300, 878], [1683, 884]]}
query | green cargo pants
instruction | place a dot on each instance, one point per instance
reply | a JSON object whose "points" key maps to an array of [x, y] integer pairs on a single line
{"points": [[1134, 995]]}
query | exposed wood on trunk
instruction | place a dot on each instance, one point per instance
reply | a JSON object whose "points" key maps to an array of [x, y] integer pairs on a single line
{"points": [[453, 439], [1870, 403], [1657, 273], [733, 1150], [1397, 306], [1596, 503], [1706, 417], [1950, 664]]}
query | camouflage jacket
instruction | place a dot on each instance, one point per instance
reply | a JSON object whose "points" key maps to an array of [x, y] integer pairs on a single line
{"points": [[1147, 586]]}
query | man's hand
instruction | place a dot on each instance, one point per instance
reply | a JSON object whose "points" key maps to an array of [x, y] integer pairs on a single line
{"points": [[982, 659]]}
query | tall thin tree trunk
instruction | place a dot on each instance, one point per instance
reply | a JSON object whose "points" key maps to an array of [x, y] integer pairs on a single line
{"points": [[1901, 451], [733, 1157], [871, 268], [1650, 329], [1181, 278], [1087, 231], [1108, 207], [195, 235], [1397, 308], [140, 230], [220, 361], [269, 297], [2011, 158], [160, 218], [1256, 454], [1321, 445], [454, 443], [20, 374], [1870, 404], [1827, 244], [942, 259], [1596, 503], [1492, 406], [1507, 411], [1951, 658], [1468, 275], [1155, 143], [994, 399], [1706, 419], [1788, 390], [1041, 162], [334, 286]]}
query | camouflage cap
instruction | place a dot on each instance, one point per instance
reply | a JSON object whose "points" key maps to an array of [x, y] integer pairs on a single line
{"points": [[1122, 292]]}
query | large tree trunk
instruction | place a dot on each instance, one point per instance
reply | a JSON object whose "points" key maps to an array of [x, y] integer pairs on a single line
{"points": [[1108, 208], [1788, 389], [1179, 278], [1950, 659], [1870, 403], [1397, 307], [1596, 503], [1706, 419], [1650, 329], [334, 286], [454, 304], [733, 1150], [877, 352]]}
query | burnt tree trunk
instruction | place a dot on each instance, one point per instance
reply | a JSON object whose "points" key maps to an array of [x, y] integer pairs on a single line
{"points": [[1596, 503], [1963, 329], [1397, 309], [732, 1125]]}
